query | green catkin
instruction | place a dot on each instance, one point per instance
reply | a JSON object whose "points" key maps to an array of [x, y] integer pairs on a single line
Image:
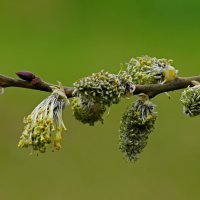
{"points": [[190, 99], [136, 125], [98, 91], [87, 111], [151, 70]]}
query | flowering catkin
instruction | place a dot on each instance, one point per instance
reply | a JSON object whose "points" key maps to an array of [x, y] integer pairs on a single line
{"points": [[87, 111], [136, 125], [190, 99], [44, 125], [148, 70], [96, 92]]}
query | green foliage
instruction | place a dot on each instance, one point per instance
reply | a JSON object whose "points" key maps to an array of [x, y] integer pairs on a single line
{"points": [[136, 125]]}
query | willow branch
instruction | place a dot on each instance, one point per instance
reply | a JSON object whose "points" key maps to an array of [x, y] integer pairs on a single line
{"points": [[36, 84], [151, 90], [154, 89]]}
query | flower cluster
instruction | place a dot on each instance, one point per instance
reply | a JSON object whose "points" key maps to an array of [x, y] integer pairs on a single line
{"points": [[190, 99], [87, 111], [136, 125], [148, 70], [95, 92], [126, 82], [44, 125]]}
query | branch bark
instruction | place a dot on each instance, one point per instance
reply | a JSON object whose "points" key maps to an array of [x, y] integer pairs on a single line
{"points": [[154, 89], [151, 90], [35, 84]]}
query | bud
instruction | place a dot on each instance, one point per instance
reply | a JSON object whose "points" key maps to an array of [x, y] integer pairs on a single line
{"points": [[44, 122], [136, 125], [25, 75], [190, 99], [147, 70]]}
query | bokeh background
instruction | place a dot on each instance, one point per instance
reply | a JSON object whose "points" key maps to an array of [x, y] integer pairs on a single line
{"points": [[64, 40]]}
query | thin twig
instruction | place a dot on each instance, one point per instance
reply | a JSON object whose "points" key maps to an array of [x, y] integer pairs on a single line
{"points": [[151, 90], [154, 89], [35, 84]]}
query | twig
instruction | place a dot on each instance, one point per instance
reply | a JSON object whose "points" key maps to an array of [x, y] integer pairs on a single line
{"points": [[36, 84], [151, 90], [154, 89]]}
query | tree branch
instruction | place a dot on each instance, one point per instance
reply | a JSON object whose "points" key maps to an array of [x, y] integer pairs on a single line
{"points": [[154, 89], [151, 90], [36, 84]]}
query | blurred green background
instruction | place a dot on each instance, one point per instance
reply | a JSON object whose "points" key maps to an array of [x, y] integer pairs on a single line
{"points": [[63, 40]]}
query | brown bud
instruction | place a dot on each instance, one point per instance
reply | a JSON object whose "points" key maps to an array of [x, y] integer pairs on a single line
{"points": [[25, 75]]}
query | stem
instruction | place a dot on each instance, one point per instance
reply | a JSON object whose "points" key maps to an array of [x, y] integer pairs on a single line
{"points": [[151, 90], [35, 84], [154, 89]]}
